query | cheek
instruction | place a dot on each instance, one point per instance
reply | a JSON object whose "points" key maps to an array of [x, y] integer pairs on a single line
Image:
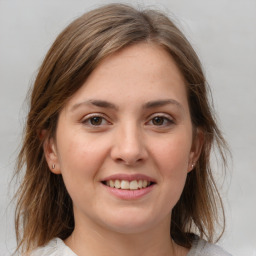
{"points": [[79, 163], [172, 157], [172, 154], [171, 160], [79, 157]]}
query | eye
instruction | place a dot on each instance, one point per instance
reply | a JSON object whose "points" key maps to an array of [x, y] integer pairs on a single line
{"points": [[160, 120], [95, 120]]}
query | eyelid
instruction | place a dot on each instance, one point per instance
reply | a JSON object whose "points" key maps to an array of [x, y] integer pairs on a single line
{"points": [[168, 117], [101, 115], [161, 114]]}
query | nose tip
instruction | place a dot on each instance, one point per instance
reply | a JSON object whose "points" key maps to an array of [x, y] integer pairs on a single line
{"points": [[129, 148], [128, 158]]}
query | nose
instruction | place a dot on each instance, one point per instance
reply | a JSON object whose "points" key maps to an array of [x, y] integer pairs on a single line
{"points": [[129, 146]]}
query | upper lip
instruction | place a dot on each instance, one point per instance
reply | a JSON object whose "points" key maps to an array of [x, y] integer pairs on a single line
{"points": [[129, 177]]}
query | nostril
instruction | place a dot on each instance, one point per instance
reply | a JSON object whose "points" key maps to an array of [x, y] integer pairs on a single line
{"points": [[129, 161], [128, 154], [119, 160]]}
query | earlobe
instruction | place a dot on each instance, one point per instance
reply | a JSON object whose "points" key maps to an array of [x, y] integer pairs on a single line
{"points": [[196, 149], [51, 155]]}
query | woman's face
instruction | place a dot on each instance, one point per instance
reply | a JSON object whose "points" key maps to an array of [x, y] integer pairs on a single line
{"points": [[124, 142]]}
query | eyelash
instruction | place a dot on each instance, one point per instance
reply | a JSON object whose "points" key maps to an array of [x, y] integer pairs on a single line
{"points": [[166, 121], [89, 118]]}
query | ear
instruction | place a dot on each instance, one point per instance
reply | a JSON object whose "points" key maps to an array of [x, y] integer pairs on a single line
{"points": [[196, 148], [51, 156]]}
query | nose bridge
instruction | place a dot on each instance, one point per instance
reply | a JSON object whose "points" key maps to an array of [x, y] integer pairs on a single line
{"points": [[129, 145]]}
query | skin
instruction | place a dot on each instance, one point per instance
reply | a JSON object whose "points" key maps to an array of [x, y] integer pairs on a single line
{"points": [[130, 135]]}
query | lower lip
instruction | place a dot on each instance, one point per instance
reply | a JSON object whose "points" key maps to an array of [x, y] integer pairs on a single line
{"points": [[127, 194]]}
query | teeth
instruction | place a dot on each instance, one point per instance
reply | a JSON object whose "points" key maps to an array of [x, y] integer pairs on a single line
{"points": [[134, 185], [111, 184], [125, 184], [117, 184], [144, 183]]}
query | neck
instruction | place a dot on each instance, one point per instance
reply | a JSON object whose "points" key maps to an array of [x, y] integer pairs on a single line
{"points": [[99, 241]]}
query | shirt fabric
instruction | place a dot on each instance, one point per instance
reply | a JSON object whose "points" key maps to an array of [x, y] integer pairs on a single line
{"points": [[56, 247]]}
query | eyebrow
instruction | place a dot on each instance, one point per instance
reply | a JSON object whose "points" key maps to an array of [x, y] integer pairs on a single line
{"points": [[148, 105], [97, 103], [160, 103]]}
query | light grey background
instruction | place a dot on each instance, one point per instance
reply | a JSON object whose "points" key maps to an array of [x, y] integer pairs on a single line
{"points": [[223, 33]]}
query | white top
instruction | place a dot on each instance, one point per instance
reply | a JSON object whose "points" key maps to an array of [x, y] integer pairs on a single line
{"points": [[56, 247]]}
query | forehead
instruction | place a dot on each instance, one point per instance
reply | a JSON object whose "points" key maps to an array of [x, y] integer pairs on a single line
{"points": [[139, 72], [155, 59]]}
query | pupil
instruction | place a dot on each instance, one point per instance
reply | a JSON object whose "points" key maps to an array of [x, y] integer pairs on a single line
{"points": [[158, 120], [96, 120]]}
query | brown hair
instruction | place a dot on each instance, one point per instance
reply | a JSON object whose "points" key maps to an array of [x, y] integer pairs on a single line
{"points": [[44, 208]]}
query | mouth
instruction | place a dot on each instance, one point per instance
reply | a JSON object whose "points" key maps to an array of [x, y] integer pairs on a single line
{"points": [[128, 184]]}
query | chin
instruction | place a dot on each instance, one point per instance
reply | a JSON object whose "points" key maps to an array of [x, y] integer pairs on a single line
{"points": [[129, 227], [130, 222]]}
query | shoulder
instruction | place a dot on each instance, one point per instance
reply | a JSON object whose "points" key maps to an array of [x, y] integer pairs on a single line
{"points": [[56, 247], [202, 248]]}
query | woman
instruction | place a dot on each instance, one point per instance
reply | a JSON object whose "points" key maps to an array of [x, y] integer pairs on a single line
{"points": [[118, 141]]}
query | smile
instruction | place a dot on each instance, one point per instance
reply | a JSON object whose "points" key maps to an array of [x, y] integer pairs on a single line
{"points": [[128, 185]]}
